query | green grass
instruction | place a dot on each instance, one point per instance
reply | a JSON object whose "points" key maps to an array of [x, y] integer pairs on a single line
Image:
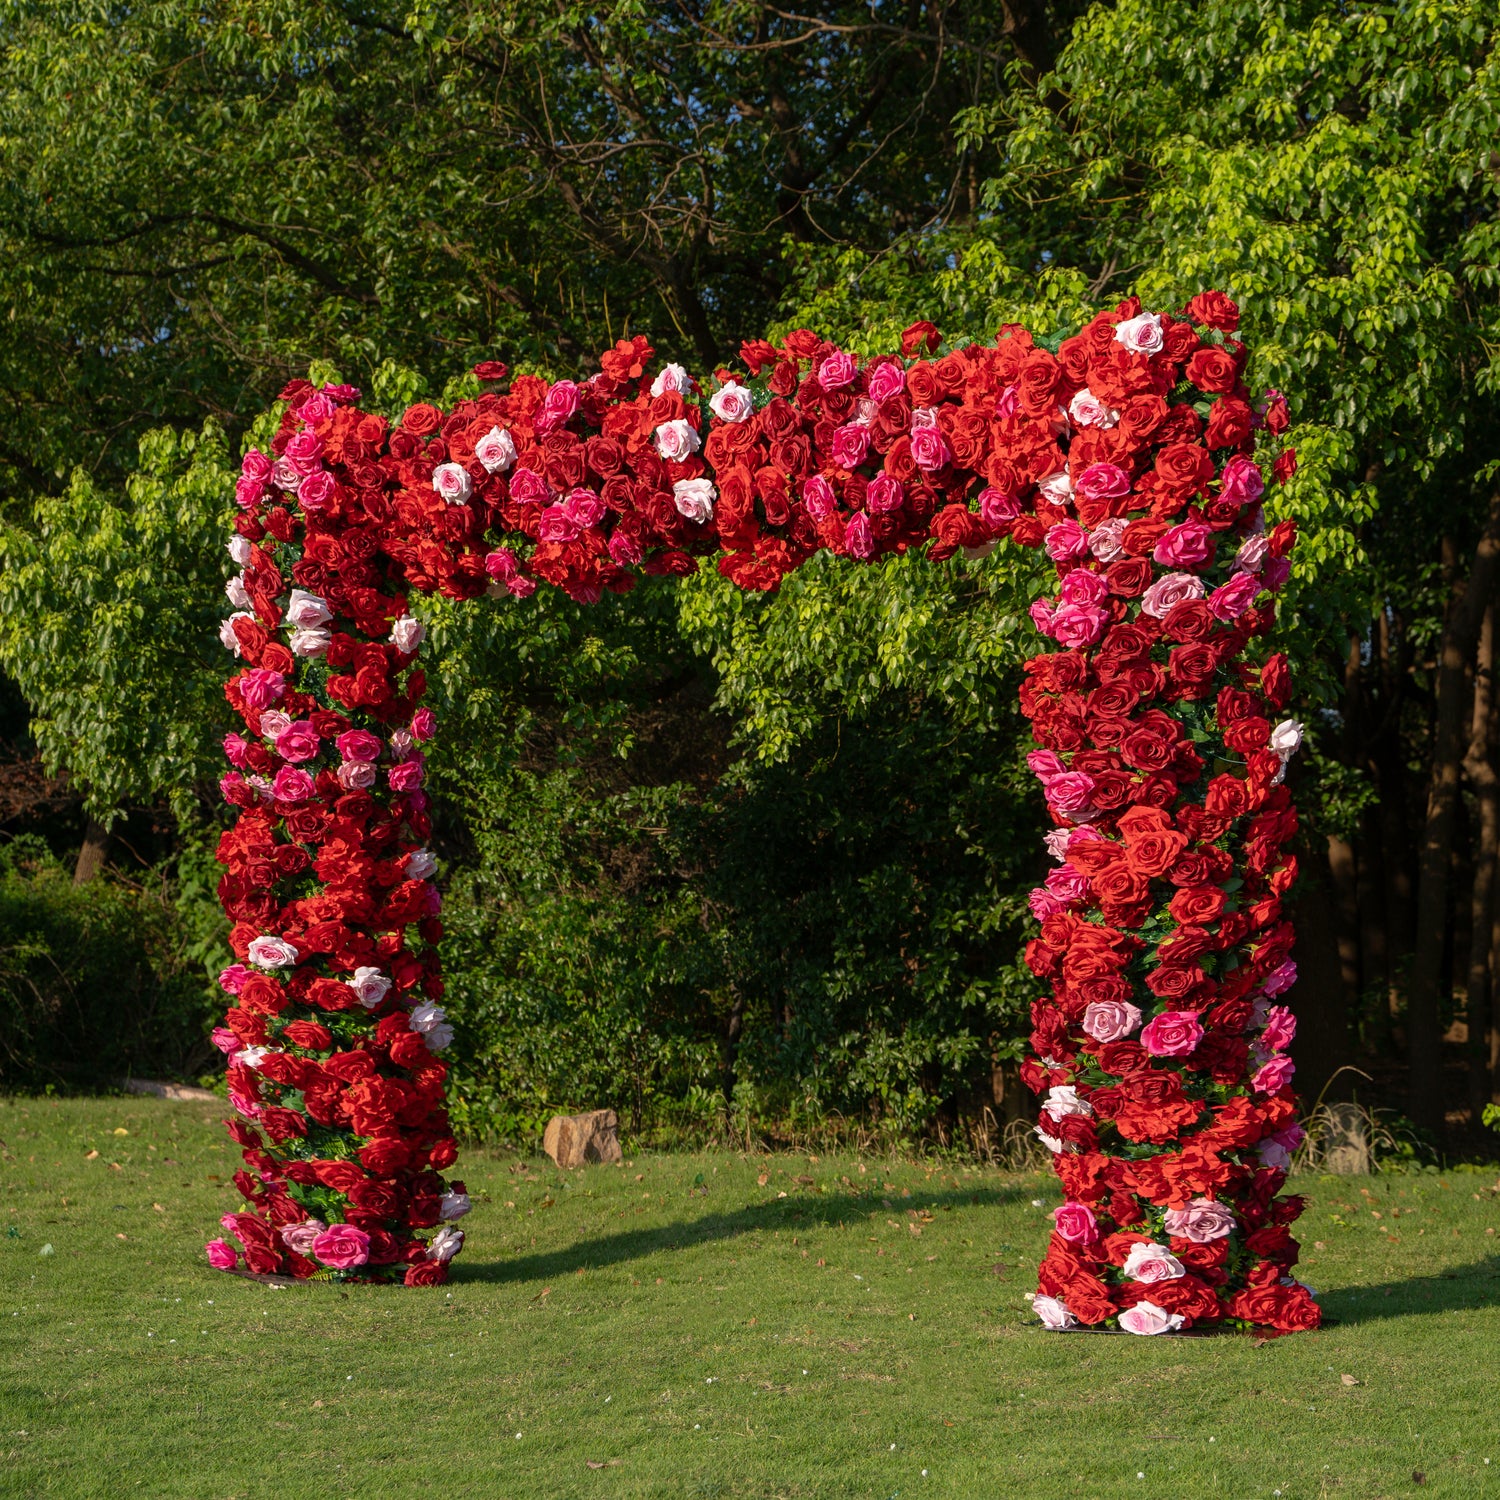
{"points": [[698, 1334]]}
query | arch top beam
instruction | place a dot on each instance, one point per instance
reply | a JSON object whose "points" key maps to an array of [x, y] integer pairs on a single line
{"points": [[1131, 451]]}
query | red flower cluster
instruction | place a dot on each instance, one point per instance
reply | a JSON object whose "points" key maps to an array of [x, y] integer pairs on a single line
{"points": [[1127, 452]]}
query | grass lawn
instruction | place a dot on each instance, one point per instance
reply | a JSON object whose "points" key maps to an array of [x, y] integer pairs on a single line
{"points": [[706, 1325]]}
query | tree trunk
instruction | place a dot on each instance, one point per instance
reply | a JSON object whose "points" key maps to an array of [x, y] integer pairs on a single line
{"points": [[1390, 811], [92, 855], [1425, 1003], [1322, 1045], [1479, 766]]}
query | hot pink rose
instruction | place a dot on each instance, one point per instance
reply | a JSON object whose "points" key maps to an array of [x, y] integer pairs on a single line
{"points": [[1275, 1075], [1110, 1020], [859, 541], [996, 507], [1281, 1028], [1188, 545], [625, 548], [1174, 1033], [1202, 1221], [1067, 541], [256, 466], [884, 380], [298, 742], [1084, 586], [1071, 792], [1076, 1223], [260, 687], [818, 497], [1167, 593], [1067, 883], [342, 1246], [1241, 483], [556, 525], [316, 490], [559, 404], [884, 494], [529, 488], [406, 777], [585, 507], [1077, 625], [1045, 763], [836, 371], [292, 785], [232, 980], [849, 445], [358, 744], [1042, 903], [1103, 481], [1282, 979], [423, 724], [222, 1255], [303, 450], [1230, 600]]}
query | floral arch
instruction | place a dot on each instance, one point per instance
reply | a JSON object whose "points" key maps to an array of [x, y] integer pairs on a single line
{"points": [[1131, 451]]}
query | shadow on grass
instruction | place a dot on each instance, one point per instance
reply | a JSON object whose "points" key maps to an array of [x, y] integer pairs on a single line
{"points": [[809, 1211], [1459, 1290]]}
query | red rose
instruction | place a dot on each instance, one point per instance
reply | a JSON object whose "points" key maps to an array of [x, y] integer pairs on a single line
{"points": [[421, 419], [308, 1034], [1213, 370], [427, 1273], [1214, 310], [341, 1176], [920, 335], [385, 1156]]}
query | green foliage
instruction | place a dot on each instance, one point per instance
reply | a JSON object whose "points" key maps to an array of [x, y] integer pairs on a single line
{"points": [[109, 612], [94, 985]]}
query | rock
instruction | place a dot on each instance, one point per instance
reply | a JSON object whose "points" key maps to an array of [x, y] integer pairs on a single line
{"points": [[178, 1091], [572, 1140]]}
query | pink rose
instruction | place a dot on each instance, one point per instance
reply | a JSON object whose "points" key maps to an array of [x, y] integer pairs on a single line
{"points": [[849, 445], [1202, 1221], [1167, 593], [1230, 600], [996, 507], [883, 494], [1107, 539], [1141, 334], [1148, 1262], [929, 450], [732, 403], [1042, 903], [1077, 625], [1067, 883], [225, 1040], [370, 986], [1275, 1075], [292, 785], [836, 371], [1148, 1318], [342, 1246], [316, 490], [222, 1255], [260, 687], [1110, 1020], [1241, 482], [885, 379], [298, 742], [1045, 763], [358, 744], [300, 1238], [356, 775], [859, 540], [1252, 553], [1067, 541], [307, 611], [1070, 792], [1174, 1033], [1281, 1028], [1076, 1223], [527, 487], [1281, 979], [1189, 545]]}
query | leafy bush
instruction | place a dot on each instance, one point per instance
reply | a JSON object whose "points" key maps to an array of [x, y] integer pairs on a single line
{"points": [[95, 981]]}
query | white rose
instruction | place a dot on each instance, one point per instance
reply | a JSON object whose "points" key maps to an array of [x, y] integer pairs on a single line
{"points": [[407, 634], [496, 450], [421, 864], [676, 440], [1087, 410], [445, 1244], [239, 550], [370, 986], [1147, 1262], [452, 482], [1063, 1100], [1286, 738], [453, 1206], [732, 402], [1051, 1142], [694, 498], [272, 953], [226, 631], [1056, 489], [1148, 1318], [239, 595], [307, 611], [426, 1016], [251, 1057], [1141, 335], [1052, 1313], [671, 378], [310, 642]]}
